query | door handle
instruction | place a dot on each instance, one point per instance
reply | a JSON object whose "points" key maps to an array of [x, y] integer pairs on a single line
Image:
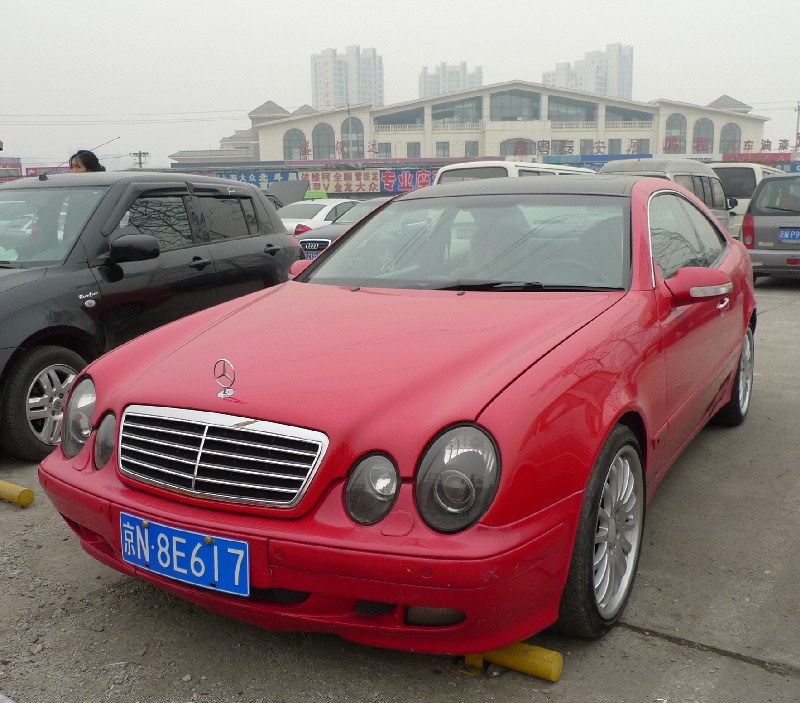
{"points": [[199, 264], [724, 304], [271, 249]]}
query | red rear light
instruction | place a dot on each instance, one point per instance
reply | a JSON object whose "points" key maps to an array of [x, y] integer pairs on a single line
{"points": [[301, 228], [748, 231]]}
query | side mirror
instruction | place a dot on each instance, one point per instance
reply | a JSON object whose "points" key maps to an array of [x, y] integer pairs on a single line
{"points": [[299, 266], [695, 284], [134, 247], [732, 202]]}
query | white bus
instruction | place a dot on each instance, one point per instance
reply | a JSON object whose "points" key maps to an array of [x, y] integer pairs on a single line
{"points": [[469, 170]]}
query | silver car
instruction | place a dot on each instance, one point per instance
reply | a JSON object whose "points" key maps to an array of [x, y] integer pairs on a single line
{"points": [[771, 227]]}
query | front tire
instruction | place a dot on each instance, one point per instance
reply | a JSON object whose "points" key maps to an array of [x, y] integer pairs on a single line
{"points": [[735, 410], [34, 399], [608, 542]]}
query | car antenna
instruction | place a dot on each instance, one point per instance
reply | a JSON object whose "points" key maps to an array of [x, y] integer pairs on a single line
{"points": [[43, 176]]}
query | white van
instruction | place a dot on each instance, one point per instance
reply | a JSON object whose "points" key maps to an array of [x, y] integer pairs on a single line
{"points": [[469, 170], [739, 181], [695, 176]]}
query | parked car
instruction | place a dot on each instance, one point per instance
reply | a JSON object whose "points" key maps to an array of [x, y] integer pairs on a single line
{"points": [[739, 181], [469, 170], [106, 257], [451, 446], [695, 176], [317, 240], [771, 226], [303, 215]]}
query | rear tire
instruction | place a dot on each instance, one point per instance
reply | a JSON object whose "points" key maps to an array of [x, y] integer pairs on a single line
{"points": [[33, 400], [608, 542], [735, 410]]}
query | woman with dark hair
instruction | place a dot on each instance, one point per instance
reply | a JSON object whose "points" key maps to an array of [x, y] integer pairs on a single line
{"points": [[84, 161]]}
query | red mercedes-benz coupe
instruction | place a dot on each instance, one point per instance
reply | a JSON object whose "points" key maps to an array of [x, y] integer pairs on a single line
{"points": [[441, 436]]}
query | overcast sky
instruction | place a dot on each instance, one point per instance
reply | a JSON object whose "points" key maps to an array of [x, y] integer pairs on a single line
{"points": [[170, 75]]}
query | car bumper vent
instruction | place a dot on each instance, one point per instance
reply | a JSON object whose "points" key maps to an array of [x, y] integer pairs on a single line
{"points": [[217, 456]]}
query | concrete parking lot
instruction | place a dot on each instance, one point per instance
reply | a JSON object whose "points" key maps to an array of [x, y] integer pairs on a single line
{"points": [[714, 616]]}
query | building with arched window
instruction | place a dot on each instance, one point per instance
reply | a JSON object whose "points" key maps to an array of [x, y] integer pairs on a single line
{"points": [[517, 120]]}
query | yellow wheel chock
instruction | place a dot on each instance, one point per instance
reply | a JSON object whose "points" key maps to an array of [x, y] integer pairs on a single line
{"points": [[526, 658], [16, 494]]}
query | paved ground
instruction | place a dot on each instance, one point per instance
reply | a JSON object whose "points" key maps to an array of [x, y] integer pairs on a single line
{"points": [[715, 614]]}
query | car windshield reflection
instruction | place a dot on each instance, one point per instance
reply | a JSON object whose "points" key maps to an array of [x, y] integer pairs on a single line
{"points": [[493, 243], [53, 219]]}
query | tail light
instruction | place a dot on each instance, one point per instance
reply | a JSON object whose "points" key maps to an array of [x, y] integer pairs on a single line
{"points": [[301, 228], [748, 231]]}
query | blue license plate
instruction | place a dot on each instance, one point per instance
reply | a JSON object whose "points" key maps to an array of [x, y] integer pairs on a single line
{"points": [[789, 234], [312, 254], [204, 560]]}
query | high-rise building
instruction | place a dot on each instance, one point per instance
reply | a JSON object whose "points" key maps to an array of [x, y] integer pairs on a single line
{"points": [[608, 72], [448, 79], [350, 78]]}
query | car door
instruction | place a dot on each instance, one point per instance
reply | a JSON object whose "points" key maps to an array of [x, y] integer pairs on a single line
{"points": [[138, 296], [698, 338], [248, 254]]}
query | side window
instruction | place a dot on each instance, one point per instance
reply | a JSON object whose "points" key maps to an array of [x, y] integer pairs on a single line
{"points": [[673, 237], [227, 218], [711, 241], [718, 195], [685, 181], [338, 210], [163, 217], [702, 189]]}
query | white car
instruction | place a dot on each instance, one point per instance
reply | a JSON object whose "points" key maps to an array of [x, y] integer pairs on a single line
{"points": [[305, 215]]}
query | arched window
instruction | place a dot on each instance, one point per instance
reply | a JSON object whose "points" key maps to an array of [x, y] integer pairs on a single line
{"points": [[675, 137], [518, 147], [295, 147], [730, 139], [703, 136], [352, 138], [324, 141]]}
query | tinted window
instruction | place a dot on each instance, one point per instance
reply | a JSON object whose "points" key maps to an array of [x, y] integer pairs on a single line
{"points": [[227, 218], [739, 182], [163, 217], [674, 236], [776, 195]]}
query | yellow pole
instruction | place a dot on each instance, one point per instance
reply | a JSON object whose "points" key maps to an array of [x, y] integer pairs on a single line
{"points": [[16, 494], [526, 658]]}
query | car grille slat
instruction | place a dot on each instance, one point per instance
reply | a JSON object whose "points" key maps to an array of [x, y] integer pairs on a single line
{"points": [[221, 457]]}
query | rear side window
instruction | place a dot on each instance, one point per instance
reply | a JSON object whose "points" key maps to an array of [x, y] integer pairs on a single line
{"points": [[227, 218], [739, 182]]}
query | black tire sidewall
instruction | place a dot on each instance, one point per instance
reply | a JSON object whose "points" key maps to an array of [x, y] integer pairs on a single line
{"points": [[16, 435]]}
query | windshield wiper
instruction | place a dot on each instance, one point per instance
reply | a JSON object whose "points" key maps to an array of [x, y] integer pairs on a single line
{"points": [[494, 285], [781, 209]]}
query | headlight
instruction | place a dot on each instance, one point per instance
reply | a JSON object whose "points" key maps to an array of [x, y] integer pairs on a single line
{"points": [[457, 478], [371, 489], [78, 417], [104, 442]]}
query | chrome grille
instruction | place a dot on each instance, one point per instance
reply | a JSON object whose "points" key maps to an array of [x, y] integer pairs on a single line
{"points": [[223, 457]]}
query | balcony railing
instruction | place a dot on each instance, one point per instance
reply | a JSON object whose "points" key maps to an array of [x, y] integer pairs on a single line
{"points": [[573, 125], [457, 126], [629, 125], [399, 128]]}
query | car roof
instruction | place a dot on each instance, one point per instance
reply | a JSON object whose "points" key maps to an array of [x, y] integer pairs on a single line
{"points": [[657, 165], [563, 185], [107, 178]]}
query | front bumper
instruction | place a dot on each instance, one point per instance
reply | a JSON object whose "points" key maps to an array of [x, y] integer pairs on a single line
{"points": [[322, 573]]}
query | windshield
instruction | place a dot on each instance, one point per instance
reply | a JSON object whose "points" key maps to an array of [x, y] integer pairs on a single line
{"points": [[778, 194], [300, 210], [40, 225], [507, 242], [738, 182]]}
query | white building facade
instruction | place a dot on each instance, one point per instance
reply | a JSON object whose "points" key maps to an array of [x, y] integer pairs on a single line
{"points": [[517, 119]]}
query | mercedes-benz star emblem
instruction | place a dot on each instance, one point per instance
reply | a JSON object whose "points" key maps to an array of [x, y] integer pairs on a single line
{"points": [[225, 375]]}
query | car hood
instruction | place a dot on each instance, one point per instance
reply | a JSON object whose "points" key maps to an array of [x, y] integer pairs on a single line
{"points": [[340, 360], [13, 278]]}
